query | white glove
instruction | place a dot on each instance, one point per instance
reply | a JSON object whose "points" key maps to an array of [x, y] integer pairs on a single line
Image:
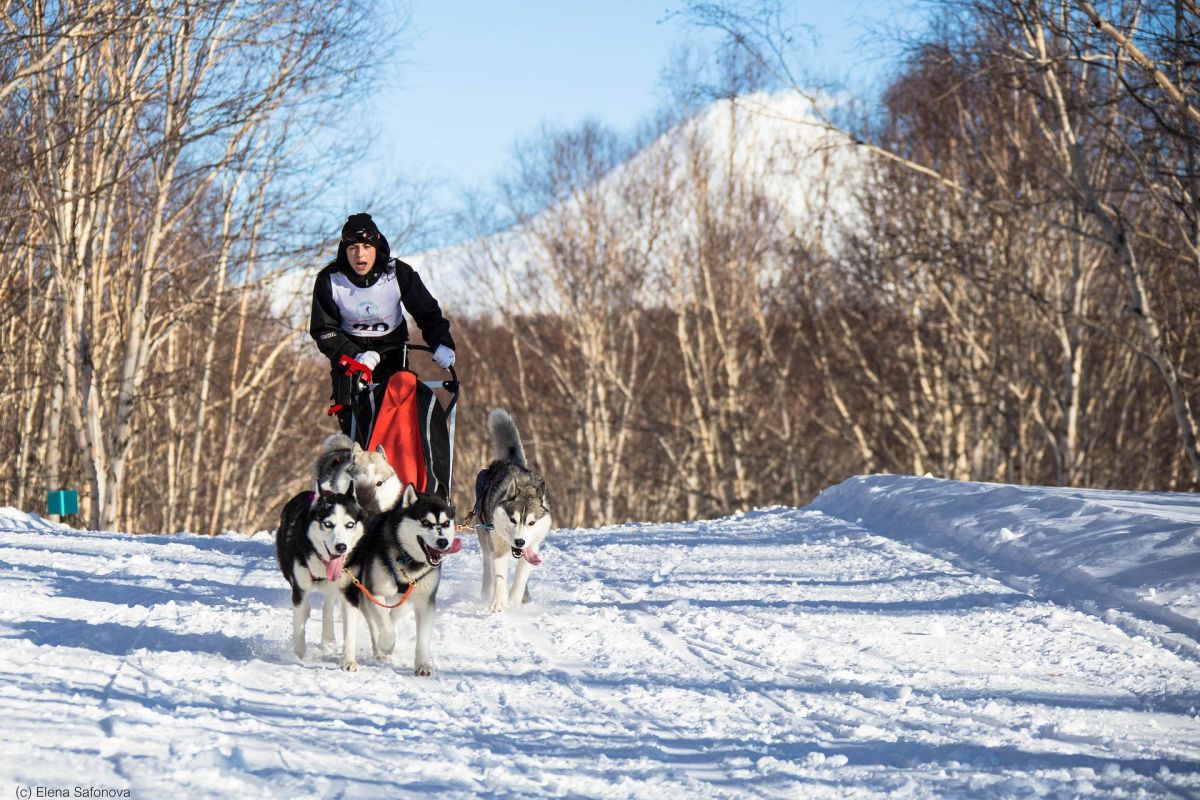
{"points": [[444, 356], [368, 358]]}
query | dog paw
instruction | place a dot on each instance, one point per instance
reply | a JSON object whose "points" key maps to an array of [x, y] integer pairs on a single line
{"points": [[423, 671], [383, 657], [298, 650], [350, 666], [498, 604]]}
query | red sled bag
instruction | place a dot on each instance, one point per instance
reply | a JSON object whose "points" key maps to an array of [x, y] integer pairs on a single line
{"points": [[412, 427]]}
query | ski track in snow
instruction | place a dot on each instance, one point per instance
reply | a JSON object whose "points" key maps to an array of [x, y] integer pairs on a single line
{"points": [[778, 653]]}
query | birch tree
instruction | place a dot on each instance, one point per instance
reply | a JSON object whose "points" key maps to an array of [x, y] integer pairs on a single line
{"points": [[138, 126]]}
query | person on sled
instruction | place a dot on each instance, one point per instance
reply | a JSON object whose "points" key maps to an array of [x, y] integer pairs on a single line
{"points": [[358, 307]]}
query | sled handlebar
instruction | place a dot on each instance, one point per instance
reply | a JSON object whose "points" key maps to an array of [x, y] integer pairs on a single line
{"points": [[362, 372], [450, 385], [355, 369]]}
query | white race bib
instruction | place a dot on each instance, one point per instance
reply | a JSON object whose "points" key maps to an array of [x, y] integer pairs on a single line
{"points": [[371, 311]]}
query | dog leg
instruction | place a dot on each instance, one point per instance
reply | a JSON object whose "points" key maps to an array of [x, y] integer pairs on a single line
{"points": [[520, 593], [350, 616], [489, 573], [424, 611], [299, 618], [499, 587], [327, 605], [383, 633], [368, 612]]}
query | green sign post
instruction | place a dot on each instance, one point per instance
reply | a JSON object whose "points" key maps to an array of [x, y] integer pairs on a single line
{"points": [[63, 502]]}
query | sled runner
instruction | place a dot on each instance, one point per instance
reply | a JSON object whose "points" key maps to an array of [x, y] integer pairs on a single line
{"points": [[416, 431]]}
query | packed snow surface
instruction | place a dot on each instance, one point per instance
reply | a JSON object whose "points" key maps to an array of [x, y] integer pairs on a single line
{"points": [[778, 653]]}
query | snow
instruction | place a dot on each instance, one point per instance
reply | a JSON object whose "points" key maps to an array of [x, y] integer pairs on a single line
{"points": [[1135, 550], [889, 640]]}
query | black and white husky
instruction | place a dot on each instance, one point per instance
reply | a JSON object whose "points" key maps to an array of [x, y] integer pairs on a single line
{"points": [[513, 515], [399, 563], [317, 533]]}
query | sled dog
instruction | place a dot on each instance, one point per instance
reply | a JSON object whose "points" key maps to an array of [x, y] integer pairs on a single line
{"points": [[513, 515], [401, 549], [343, 462], [317, 533]]}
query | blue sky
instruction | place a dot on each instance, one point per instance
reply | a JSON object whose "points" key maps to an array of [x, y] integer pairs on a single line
{"points": [[475, 76]]}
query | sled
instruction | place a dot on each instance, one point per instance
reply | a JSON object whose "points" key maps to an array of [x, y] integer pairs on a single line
{"points": [[414, 428]]}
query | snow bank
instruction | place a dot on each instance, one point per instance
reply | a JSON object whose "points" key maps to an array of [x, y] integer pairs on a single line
{"points": [[1138, 551]]}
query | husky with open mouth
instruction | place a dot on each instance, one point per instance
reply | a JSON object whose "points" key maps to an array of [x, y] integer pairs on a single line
{"points": [[399, 563], [513, 515], [317, 533]]}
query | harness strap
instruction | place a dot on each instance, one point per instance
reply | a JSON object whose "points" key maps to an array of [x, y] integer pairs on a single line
{"points": [[395, 577], [477, 511], [372, 597], [469, 524], [412, 582], [315, 579]]}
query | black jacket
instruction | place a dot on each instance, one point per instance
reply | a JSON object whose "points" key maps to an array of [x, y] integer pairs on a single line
{"points": [[326, 321]]}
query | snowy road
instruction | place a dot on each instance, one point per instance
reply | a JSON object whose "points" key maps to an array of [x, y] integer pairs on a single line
{"points": [[781, 653]]}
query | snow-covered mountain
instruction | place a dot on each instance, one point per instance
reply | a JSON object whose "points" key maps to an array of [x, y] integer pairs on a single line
{"points": [[899, 637], [773, 139]]}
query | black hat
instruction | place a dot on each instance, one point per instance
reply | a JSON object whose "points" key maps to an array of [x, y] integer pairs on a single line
{"points": [[361, 228]]}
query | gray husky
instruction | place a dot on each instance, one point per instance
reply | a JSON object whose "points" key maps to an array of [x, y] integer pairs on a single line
{"points": [[513, 515], [343, 463], [399, 562]]}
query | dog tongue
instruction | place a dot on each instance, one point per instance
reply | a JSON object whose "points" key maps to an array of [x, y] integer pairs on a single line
{"points": [[454, 548], [333, 570], [530, 556]]}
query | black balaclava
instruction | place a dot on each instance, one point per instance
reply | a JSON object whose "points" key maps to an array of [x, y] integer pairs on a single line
{"points": [[361, 228]]}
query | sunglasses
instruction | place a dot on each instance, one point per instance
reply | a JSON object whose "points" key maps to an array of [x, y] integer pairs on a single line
{"points": [[362, 235]]}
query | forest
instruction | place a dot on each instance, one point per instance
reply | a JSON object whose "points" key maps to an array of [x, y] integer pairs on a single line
{"points": [[991, 274]]}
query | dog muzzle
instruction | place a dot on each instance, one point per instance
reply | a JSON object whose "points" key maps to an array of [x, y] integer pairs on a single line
{"points": [[434, 556], [528, 554]]}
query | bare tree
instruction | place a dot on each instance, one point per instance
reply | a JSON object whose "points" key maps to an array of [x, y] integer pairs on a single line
{"points": [[1100, 97], [142, 127]]}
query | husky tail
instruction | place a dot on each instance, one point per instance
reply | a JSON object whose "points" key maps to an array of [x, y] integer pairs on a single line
{"points": [[506, 441], [337, 441]]}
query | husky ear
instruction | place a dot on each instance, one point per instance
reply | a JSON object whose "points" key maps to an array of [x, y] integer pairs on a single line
{"points": [[350, 489], [409, 497], [379, 449], [355, 448], [316, 494]]}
